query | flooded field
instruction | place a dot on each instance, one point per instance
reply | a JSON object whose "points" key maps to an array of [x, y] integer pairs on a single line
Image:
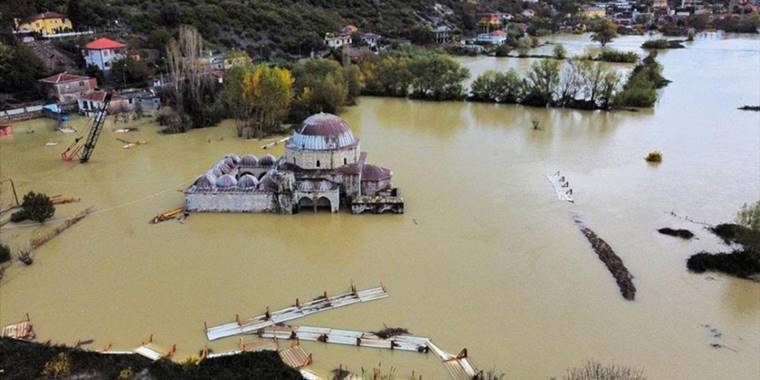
{"points": [[485, 257]]}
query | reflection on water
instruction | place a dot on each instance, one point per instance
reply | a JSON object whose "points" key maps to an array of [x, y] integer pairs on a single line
{"points": [[484, 258]]}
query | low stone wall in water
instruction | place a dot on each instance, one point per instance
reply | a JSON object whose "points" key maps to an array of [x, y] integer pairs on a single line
{"points": [[233, 201]]}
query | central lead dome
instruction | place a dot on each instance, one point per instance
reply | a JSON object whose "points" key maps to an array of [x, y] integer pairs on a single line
{"points": [[322, 131]]}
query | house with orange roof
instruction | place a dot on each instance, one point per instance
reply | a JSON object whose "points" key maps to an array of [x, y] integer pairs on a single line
{"points": [[103, 52], [66, 87]]}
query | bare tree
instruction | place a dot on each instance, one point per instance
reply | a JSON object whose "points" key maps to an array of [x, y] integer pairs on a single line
{"points": [[183, 56]]}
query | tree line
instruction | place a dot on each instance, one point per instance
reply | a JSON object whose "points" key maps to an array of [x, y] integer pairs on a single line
{"points": [[582, 84]]}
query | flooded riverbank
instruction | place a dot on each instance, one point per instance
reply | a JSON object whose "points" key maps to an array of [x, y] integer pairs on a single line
{"points": [[484, 258]]}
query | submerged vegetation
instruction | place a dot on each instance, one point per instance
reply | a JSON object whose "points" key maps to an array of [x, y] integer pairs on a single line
{"points": [[744, 235], [35, 206], [654, 157], [640, 90], [662, 43], [594, 370]]}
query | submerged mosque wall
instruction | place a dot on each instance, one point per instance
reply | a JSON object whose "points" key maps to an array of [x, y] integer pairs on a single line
{"points": [[322, 168]]}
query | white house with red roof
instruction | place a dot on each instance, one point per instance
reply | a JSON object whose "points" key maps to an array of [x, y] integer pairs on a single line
{"points": [[102, 52], [93, 102], [66, 87]]}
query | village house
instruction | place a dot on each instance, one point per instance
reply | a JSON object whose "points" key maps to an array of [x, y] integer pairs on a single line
{"points": [[590, 11], [497, 37], [335, 41], [66, 88], [371, 39], [490, 22], [146, 102], [46, 24], [103, 52], [442, 35], [90, 104], [529, 13]]}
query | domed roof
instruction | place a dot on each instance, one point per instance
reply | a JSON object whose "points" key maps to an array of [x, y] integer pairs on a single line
{"points": [[205, 181], [216, 172], [249, 160], [235, 158], [226, 181], [267, 160], [322, 131], [267, 183], [248, 181], [375, 173]]}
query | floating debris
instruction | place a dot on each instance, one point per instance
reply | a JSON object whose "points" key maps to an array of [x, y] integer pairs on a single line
{"points": [[126, 130], [654, 157], [458, 365], [51, 143], [276, 142], [153, 352], [168, 214], [23, 330], [60, 199], [66, 130], [295, 357], [346, 337], [682, 233], [615, 265], [561, 187], [70, 221], [321, 303]]}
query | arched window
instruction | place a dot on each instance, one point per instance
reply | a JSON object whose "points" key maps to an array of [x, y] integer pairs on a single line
{"points": [[345, 161], [317, 163]]}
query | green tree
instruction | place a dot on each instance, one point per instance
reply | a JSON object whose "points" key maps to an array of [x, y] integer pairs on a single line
{"points": [[438, 77], [20, 70], [320, 86], [37, 206], [523, 46], [129, 72], [604, 32], [542, 82], [422, 35]]}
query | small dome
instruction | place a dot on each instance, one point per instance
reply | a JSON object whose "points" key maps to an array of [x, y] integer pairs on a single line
{"points": [[249, 160], [375, 173], [230, 162], [226, 181], [226, 169], [322, 131], [216, 172], [205, 182], [235, 158], [267, 183], [267, 160], [248, 181]]}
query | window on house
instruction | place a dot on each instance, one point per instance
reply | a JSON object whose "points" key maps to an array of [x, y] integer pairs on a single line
{"points": [[345, 161], [317, 163]]}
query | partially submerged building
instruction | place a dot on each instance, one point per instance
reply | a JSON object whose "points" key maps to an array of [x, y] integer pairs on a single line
{"points": [[322, 167]]}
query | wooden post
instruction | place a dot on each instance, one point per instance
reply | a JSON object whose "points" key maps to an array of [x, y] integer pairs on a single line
{"points": [[237, 319], [106, 347], [298, 303], [205, 327], [241, 345], [150, 339], [267, 314]]}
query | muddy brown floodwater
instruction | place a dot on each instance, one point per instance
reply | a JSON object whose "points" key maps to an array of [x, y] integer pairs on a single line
{"points": [[484, 258]]}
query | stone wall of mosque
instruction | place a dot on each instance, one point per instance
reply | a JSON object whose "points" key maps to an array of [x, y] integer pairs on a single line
{"points": [[234, 201], [322, 159]]}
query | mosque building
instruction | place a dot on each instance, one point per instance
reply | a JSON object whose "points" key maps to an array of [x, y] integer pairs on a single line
{"points": [[322, 168]]}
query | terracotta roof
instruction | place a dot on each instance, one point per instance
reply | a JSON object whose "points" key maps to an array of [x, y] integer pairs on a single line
{"points": [[498, 33], [104, 43], [44, 15], [63, 78], [99, 96], [375, 173]]}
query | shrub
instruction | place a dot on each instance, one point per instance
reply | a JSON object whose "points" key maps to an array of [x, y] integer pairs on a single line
{"points": [[37, 206], [597, 371], [559, 51], [617, 56], [58, 367], [19, 216], [739, 263], [661, 43], [654, 156], [5, 253], [749, 216]]}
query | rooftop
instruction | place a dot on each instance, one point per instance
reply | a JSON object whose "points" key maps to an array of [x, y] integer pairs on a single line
{"points": [[104, 43], [63, 78], [322, 131], [44, 15]]}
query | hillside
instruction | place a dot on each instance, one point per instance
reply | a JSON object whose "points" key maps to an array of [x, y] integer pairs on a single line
{"points": [[261, 27]]}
